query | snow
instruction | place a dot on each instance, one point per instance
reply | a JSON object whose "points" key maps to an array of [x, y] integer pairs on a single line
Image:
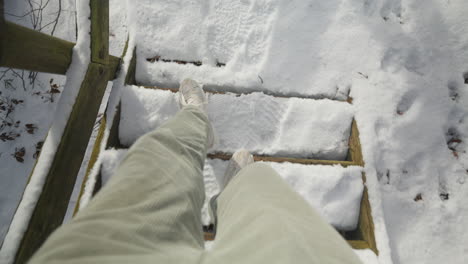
{"points": [[110, 160], [260, 123], [412, 80], [263, 44], [118, 31], [367, 256], [335, 192], [56, 18], [14, 173]]}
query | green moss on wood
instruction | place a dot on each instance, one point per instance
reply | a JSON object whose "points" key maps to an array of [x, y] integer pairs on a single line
{"points": [[92, 160]]}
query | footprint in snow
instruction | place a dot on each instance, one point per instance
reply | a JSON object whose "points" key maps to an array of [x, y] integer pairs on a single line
{"points": [[405, 103]]}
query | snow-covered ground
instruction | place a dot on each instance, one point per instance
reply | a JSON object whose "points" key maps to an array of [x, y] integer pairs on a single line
{"points": [[403, 63]]}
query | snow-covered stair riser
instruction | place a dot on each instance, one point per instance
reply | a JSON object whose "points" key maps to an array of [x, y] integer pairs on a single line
{"points": [[263, 124], [335, 192]]}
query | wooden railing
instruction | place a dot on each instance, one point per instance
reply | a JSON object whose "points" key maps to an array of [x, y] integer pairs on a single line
{"points": [[23, 48]]}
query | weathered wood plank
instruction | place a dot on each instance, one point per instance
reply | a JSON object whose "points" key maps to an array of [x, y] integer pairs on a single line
{"points": [[53, 201], [2, 28], [225, 156], [358, 244], [366, 223], [114, 66], [99, 31], [365, 230], [2, 11], [113, 141], [355, 151], [209, 236], [24, 48], [130, 78]]}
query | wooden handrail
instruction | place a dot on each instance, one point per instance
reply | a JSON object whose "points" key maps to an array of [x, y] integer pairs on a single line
{"points": [[28, 49]]}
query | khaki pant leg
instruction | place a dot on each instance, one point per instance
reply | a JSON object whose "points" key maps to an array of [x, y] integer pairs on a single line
{"points": [[261, 219], [150, 210]]}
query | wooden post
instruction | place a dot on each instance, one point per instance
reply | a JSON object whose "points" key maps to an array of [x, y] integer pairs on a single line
{"points": [[53, 201], [99, 31], [60, 180], [114, 66]]}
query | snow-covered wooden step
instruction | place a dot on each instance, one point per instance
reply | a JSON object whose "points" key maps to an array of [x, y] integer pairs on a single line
{"points": [[263, 124], [334, 191]]}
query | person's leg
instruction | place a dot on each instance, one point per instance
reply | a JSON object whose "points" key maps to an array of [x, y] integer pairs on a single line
{"points": [[261, 219], [152, 205]]}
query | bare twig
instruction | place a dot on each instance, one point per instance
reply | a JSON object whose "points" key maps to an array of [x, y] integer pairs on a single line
{"points": [[20, 76], [58, 16]]}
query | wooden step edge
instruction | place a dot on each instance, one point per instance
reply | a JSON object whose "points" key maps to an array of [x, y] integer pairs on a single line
{"points": [[226, 156], [344, 163], [160, 59], [358, 244], [355, 244], [236, 93], [209, 236]]}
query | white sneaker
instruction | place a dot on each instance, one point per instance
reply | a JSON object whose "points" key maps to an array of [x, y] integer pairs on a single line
{"points": [[239, 160], [191, 93]]}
